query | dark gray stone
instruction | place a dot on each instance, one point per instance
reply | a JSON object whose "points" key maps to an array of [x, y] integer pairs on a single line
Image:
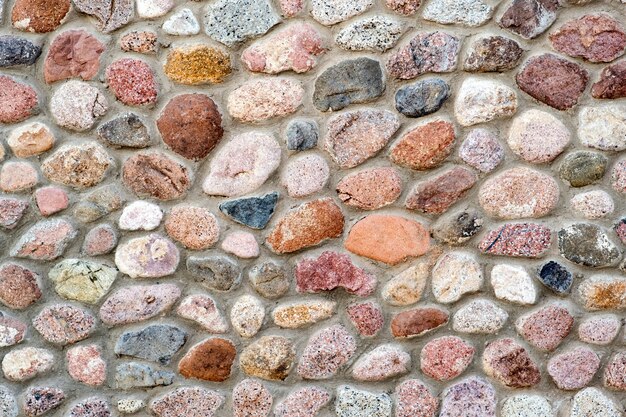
{"points": [[17, 51], [139, 375], [254, 212], [556, 277], [302, 135], [583, 168], [457, 227], [348, 82], [156, 343], [125, 131], [269, 279], [422, 98], [587, 244], [217, 273]]}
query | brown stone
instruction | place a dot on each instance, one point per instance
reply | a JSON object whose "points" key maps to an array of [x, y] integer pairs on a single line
{"points": [[191, 125], [73, 53], [18, 286], [78, 166], [40, 16], [493, 54], [155, 175], [552, 80], [426, 146], [307, 225], [388, 239], [197, 64], [529, 18], [418, 321], [370, 189], [269, 357], [437, 194], [210, 360], [612, 82], [195, 227], [508, 361], [30, 140], [403, 7]]}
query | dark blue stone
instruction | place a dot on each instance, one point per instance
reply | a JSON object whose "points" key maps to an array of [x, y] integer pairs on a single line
{"points": [[554, 276], [422, 98], [17, 51], [254, 212]]}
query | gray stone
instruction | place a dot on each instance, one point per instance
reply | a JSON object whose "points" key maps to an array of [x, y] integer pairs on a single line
{"points": [[329, 12], [269, 279], [138, 375], [235, 21], [377, 33], [352, 402], [587, 244], [15, 50], [127, 130], [583, 168], [352, 81], [8, 403], [157, 343], [463, 12], [99, 203], [217, 273], [422, 98], [109, 14], [457, 227], [471, 397], [592, 402], [302, 135], [254, 212]]}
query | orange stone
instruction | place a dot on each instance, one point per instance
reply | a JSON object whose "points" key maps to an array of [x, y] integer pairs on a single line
{"points": [[388, 239], [425, 147], [210, 360]]}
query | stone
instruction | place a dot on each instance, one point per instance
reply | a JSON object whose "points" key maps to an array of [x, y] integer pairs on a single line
{"points": [[195, 227], [210, 360], [492, 54], [254, 212], [140, 215], [132, 375], [182, 23], [512, 283], [388, 239], [150, 9], [538, 137], [91, 407], [51, 200], [247, 315], [290, 8], [262, 99], [217, 273], [76, 105], [304, 175], [302, 402], [377, 34], [612, 82], [143, 42], [150, 256], [40, 400], [517, 193], [556, 277], [138, 303], [330, 12], [12, 210], [18, 101], [197, 64], [305, 226], [15, 50], [302, 135], [618, 176], [39, 16], [46, 240], [594, 37], [471, 397], [592, 402], [367, 318], [446, 358], [509, 363], [251, 399], [603, 292], [294, 48], [593, 204], [12, 332], [326, 352], [454, 275], [529, 18], [603, 127], [109, 14], [82, 280], [422, 98], [268, 357], [8, 403], [615, 372], [156, 175], [370, 189], [414, 399], [241, 244], [437, 194], [425, 147], [301, 314], [546, 328], [188, 401], [242, 165], [554, 81], [403, 7], [457, 227], [479, 316], [587, 244], [202, 310], [528, 240], [482, 150], [381, 363], [233, 23], [26, 363], [99, 203], [19, 286], [408, 286], [599, 330], [64, 324], [470, 13], [352, 81], [526, 405], [73, 54], [427, 52], [156, 343], [417, 321], [269, 279], [85, 364], [574, 369], [78, 166], [619, 228], [130, 405], [482, 100], [17, 176], [582, 168], [132, 81]]}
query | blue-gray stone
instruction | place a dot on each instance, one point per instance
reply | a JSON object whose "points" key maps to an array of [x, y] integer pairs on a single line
{"points": [[422, 98], [158, 343], [556, 277], [254, 212], [302, 135], [15, 50], [138, 375]]}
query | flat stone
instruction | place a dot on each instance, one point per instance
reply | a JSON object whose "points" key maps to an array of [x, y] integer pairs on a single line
{"points": [[509, 363], [37, 16], [603, 127], [529, 18], [132, 81], [138, 303], [482, 100], [18, 176], [593, 204], [12, 332], [269, 279], [332, 270], [414, 399], [82, 280], [492, 54], [40, 400], [422, 98], [46, 240], [132, 375], [268, 357], [555, 81], [150, 9], [377, 34], [528, 240], [247, 315], [182, 23], [408, 286], [582, 168], [195, 227], [381, 363], [232, 23], [574, 369], [418, 321], [254, 212], [454, 275], [140, 215], [526, 405], [603, 292], [51, 200], [251, 399], [19, 286], [12, 210], [241, 244], [546, 328], [370, 189], [326, 352], [18, 101], [512, 283], [330, 12], [353, 81], [538, 137], [203, 310], [143, 42], [302, 135], [210, 360], [188, 401], [109, 14], [457, 227], [367, 318], [305, 401], [99, 203], [446, 358], [86, 365], [156, 343], [150, 256], [305, 175], [64, 324], [91, 407], [351, 402], [26, 363], [426, 146], [73, 54], [556, 277], [197, 64], [479, 316], [300, 314], [435, 195], [592, 402], [217, 273], [471, 397], [15, 50], [612, 82], [470, 13], [614, 376], [587, 244], [156, 175], [427, 52], [599, 330]]}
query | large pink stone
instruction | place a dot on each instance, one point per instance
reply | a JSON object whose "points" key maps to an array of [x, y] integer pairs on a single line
{"points": [[414, 399], [73, 54], [17, 100], [529, 240], [138, 303], [326, 352]]}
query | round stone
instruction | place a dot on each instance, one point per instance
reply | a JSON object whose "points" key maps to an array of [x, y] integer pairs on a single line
{"points": [[574, 369], [302, 135], [78, 166], [125, 131], [150, 256], [51, 200], [269, 279], [195, 227], [527, 19], [64, 324], [18, 101], [157, 343], [132, 81], [39, 16], [465, 12], [17, 176], [241, 244], [305, 175], [509, 362], [556, 277], [73, 54], [305, 401], [197, 64], [46, 240], [593, 204], [611, 83], [210, 360], [268, 357], [512, 283], [247, 315], [262, 99], [538, 137], [446, 357], [8, 403], [382, 363], [251, 399], [437, 193], [403, 7], [599, 330], [546, 328], [618, 176], [137, 303], [615, 372], [156, 175], [217, 273], [457, 227], [150, 9], [528, 240], [377, 34], [12, 332], [254, 212], [203, 310], [603, 292], [12, 210], [100, 240], [426, 146], [583, 168], [414, 399], [471, 397], [140, 215], [479, 317], [370, 189], [351, 402], [527, 406], [326, 352], [367, 318], [454, 275], [492, 54], [329, 12], [26, 363], [603, 127], [85, 364], [77, 105], [482, 150], [481, 100], [30, 140], [19, 286], [82, 280], [426, 52], [593, 402], [110, 15]]}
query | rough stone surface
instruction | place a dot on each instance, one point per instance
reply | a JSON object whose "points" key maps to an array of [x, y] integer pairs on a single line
{"points": [[305, 175], [151, 256], [512, 283], [302, 135], [195, 227], [157, 175], [15, 50], [446, 357], [351, 402], [471, 397], [416, 322], [39, 16], [603, 127], [296, 315], [217, 273], [64, 324], [331, 270], [529, 240], [26, 363], [262, 99], [268, 357], [38, 401], [426, 146], [82, 280], [611, 83], [326, 352], [437, 194], [492, 54], [251, 399], [593, 402], [414, 399], [138, 303], [377, 34], [19, 286], [110, 15], [422, 98], [529, 18], [247, 315], [547, 327], [479, 317], [301, 402], [197, 64], [465, 12], [537, 137], [46, 240], [583, 168], [85, 364], [574, 369], [76, 105], [587, 244], [330, 12], [457, 227], [455, 274], [18, 101], [157, 343], [599, 330], [526, 405], [427, 52], [603, 292], [254, 212], [203, 310], [510, 363], [189, 401], [481, 100], [556, 277], [210, 360]]}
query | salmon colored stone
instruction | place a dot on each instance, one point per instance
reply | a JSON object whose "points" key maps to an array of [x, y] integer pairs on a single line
{"points": [[72, 54], [426, 146], [210, 360], [437, 194], [418, 321]]}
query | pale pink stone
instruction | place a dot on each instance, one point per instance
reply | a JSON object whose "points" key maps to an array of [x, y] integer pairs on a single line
{"points": [[51, 200], [202, 310], [575, 369], [303, 402], [241, 244], [265, 98], [290, 8], [305, 175], [599, 330], [414, 399], [251, 399], [17, 176], [85, 364], [382, 363]]}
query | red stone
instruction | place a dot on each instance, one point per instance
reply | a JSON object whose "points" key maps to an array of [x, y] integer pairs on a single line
{"points": [[437, 194], [18, 286], [426, 146], [73, 53], [40, 16], [51, 200], [17, 100], [132, 81], [418, 321], [546, 328], [446, 358], [366, 317], [528, 240], [508, 361], [46, 240], [612, 82]]}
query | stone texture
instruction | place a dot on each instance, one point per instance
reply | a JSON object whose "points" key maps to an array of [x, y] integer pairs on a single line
{"points": [[195, 227], [247, 316], [509, 363], [217, 273], [86, 365], [76, 105], [446, 357], [537, 136], [157, 343], [370, 189], [479, 316], [138, 303], [132, 81], [466, 12], [12, 210], [427, 52], [556, 277], [268, 357], [437, 194], [241, 244], [82, 280], [109, 14], [210, 360], [197, 64], [587, 244], [143, 42], [614, 376], [546, 328], [512, 283], [40, 400], [526, 405], [492, 54], [130, 375], [330, 12], [403, 7], [305, 175], [12, 332], [352, 402], [18, 176], [64, 324], [611, 83], [262, 99], [377, 34], [301, 314], [457, 227], [383, 362], [529, 18], [182, 23], [254, 212], [326, 352], [156, 175], [529, 240], [593, 204], [302, 135], [471, 397], [73, 54], [416, 322], [414, 399], [603, 292], [408, 286], [188, 401], [46, 240], [269, 279], [150, 256], [15, 51], [51, 200], [599, 330], [603, 127], [426, 146], [302, 402], [422, 98], [203, 310], [481, 100], [574, 369], [39, 16], [331, 270], [454, 275], [251, 399], [582, 168], [592, 402], [18, 101], [366, 317], [150, 9], [99, 203], [26, 363], [78, 166], [19, 286]]}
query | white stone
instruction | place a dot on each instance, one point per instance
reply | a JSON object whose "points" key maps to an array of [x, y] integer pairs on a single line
{"points": [[512, 283], [26, 363], [247, 315], [305, 175], [463, 12], [140, 215], [203, 310], [593, 204], [480, 100], [537, 136], [591, 402], [351, 402], [329, 12], [455, 274], [130, 405], [182, 23], [603, 127], [526, 406], [76, 105], [479, 317], [382, 363], [376, 33], [149, 9], [408, 286]]}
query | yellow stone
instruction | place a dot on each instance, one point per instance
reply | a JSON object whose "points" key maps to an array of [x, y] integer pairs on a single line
{"points": [[197, 64], [301, 314]]}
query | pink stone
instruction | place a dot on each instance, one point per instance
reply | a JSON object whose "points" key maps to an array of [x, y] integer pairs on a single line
{"points": [[241, 244], [295, 48], [370, 189], [599, 330], [64, 324], [426, 52], [366, 317], [19, 286], [46, 240], [615, 372], [251, 399], [436, 194], [331, 270], [85, 364], [138, 303], [290, 8], [417, 321], [261, 99], [303, 402], [574, 369], [472, 397], [73, 53], [132, 81], [509, 362], [11, 211], [91, 407], [51, 200], [482, 150], [528, 240], [406, 8], [187, 402], [305, 175], [618, 176], [100, 240], [547, 327], [17, 176], [17, 100], [414, 399], [202, 309], [326, 352], [12, 331], [446, 357], [382, 363]]}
